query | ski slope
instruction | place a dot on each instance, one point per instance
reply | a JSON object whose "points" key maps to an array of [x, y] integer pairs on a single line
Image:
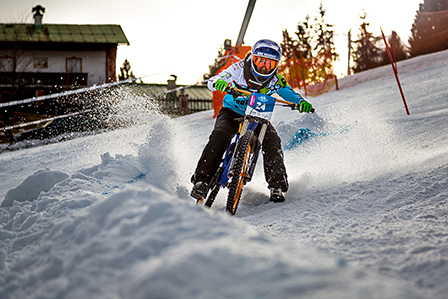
{"points": [[366, 216]]}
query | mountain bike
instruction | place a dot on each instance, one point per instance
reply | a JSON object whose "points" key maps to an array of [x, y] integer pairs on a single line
{"points": [[238, 165]]}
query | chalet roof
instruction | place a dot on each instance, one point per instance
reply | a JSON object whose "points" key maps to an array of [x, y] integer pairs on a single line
{"points": [[63, 33]]}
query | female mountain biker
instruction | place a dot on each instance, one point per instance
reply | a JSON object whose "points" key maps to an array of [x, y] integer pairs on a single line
{"points": [[256, 73]]}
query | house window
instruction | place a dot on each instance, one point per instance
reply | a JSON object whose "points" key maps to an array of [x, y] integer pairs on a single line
{"points": [[6, 64], [40, 62], [74, 65]]}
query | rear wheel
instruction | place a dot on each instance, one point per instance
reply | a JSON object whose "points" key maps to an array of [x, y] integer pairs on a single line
{"points": [[239, 174]]}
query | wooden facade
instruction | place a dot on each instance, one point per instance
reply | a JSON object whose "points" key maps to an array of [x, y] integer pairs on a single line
{"points": [[39, 58]]}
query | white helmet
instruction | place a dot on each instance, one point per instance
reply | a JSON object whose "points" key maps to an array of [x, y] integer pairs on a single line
{"points": [[265, 59]]}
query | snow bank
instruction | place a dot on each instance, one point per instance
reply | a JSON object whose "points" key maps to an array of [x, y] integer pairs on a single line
{"points": [[83, 239], [366, 214], [29, 189]]}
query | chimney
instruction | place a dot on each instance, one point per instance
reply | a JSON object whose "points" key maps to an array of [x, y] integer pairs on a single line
{"points": [[38, 15]]}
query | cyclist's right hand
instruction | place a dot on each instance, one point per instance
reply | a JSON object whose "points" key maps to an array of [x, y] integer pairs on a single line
{"points": [[221, 85]]}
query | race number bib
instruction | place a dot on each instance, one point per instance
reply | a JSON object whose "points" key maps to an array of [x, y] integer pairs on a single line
{"points": [[260, 105]]}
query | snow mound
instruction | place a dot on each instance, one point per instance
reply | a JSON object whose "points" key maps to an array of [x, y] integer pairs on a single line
{"points": [[154, 243], [31, 187]]}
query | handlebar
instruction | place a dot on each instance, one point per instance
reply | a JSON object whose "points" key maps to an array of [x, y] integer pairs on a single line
{"points": [[239, 92], [296, 107]]}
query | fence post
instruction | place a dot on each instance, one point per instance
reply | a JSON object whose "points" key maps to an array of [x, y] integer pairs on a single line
{"points": [[183, 102]]}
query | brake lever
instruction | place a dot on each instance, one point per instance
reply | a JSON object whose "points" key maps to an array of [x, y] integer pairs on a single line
{"points": [[234, 92]]}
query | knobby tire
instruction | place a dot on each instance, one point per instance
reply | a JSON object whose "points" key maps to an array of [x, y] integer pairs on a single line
{"points": [[240, 167], [212, 196]]}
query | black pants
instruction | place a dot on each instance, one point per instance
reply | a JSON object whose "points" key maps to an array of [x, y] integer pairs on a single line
{"points": [[225, 128]]}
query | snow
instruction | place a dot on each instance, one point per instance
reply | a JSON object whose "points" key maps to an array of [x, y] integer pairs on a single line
{"points": [[366, 216]]}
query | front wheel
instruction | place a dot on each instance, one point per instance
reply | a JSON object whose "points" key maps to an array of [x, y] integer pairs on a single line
{"points": [[239, 174], [212, 196]]}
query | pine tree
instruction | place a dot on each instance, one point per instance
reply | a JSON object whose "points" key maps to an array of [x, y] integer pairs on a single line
{"points": [[304, 39], [125, 71], [366, 55], [314, 47], [433, 5], [324, 35], [429, 31], [396, 47], [289, 46], [324, 48], [213, 69]]}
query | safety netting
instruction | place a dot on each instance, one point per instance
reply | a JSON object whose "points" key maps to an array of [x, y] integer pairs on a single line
{"points": [[312, 77]]}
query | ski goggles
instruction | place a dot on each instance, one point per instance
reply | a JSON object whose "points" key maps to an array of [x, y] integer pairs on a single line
{"points": [[269, 64]]}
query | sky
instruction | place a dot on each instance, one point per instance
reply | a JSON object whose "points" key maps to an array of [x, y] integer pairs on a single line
{"points": [[109, 216], [183, 37]]}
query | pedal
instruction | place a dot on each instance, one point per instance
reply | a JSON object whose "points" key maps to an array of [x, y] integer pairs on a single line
{"points": [[199, 192]]}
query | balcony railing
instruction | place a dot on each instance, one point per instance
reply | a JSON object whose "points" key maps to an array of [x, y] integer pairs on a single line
{"points": [[42, 80]]}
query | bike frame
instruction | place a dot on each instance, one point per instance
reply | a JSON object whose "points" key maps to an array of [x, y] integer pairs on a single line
{"points": [[258, 112]]}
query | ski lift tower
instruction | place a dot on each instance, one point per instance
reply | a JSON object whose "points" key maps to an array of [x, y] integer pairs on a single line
{"points": [[234, 54], [240, 41], [249, 10]]}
